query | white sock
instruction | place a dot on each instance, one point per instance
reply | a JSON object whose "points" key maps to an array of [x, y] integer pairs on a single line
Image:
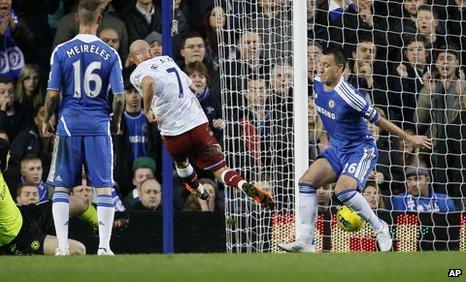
{"points": [[200, 189], [61, 216], [359, 204], [187, 172], [307, 217], [105, 215]]}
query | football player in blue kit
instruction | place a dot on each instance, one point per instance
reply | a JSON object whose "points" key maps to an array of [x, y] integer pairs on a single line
{"points": [[83, 70], [352, 154]]}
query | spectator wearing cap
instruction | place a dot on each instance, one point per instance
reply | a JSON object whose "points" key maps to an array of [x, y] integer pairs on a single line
{"points": [[141, 19], [139, 138], [155, 43], [420, 195], [440, 111], [143, 168]]}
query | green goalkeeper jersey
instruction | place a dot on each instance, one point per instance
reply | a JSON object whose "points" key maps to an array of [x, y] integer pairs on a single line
{"points": [[10, 216]]}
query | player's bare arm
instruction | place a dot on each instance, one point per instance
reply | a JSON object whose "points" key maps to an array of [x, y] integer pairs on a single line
{"points": [[118, 108], [148, 89], [418, 141], [51, 102]]}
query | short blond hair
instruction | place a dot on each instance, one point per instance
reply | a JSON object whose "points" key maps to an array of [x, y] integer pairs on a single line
{"points": [[89, 11]]}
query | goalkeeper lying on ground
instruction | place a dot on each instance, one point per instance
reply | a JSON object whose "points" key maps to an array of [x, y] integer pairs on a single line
{"points": [[24, 230]]}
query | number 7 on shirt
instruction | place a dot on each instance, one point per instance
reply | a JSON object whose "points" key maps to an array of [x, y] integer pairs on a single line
{"points": [[180, 86]]}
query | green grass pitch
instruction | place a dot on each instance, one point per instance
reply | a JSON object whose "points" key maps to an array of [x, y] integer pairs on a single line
{"points": [[420, 266]]}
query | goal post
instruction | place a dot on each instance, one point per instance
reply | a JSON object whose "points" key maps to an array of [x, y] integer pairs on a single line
{"points": [[300, 96]]}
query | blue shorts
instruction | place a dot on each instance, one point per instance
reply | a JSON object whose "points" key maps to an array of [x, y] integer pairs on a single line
{"points": [[357, 163], [70, 153]]}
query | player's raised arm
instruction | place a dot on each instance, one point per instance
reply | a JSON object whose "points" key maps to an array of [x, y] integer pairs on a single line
{"points": [[418, 141], [148, 89]]}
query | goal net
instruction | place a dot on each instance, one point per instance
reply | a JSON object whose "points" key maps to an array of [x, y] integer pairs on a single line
{"points": [[255, 57], [407, 58]]}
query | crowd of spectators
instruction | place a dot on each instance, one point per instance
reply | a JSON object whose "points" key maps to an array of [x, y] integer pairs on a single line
{"points": [[407, 57]]}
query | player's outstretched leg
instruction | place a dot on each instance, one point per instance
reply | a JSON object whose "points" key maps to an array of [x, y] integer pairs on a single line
{"points": [[358, 203], [308, 215], [233, 179], [60, 212]]}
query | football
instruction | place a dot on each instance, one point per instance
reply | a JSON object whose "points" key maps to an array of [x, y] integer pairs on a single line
{"points": [[349, 220]]}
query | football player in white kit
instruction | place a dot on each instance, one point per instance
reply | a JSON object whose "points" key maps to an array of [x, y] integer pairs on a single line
{"points": [[169, 101]]}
